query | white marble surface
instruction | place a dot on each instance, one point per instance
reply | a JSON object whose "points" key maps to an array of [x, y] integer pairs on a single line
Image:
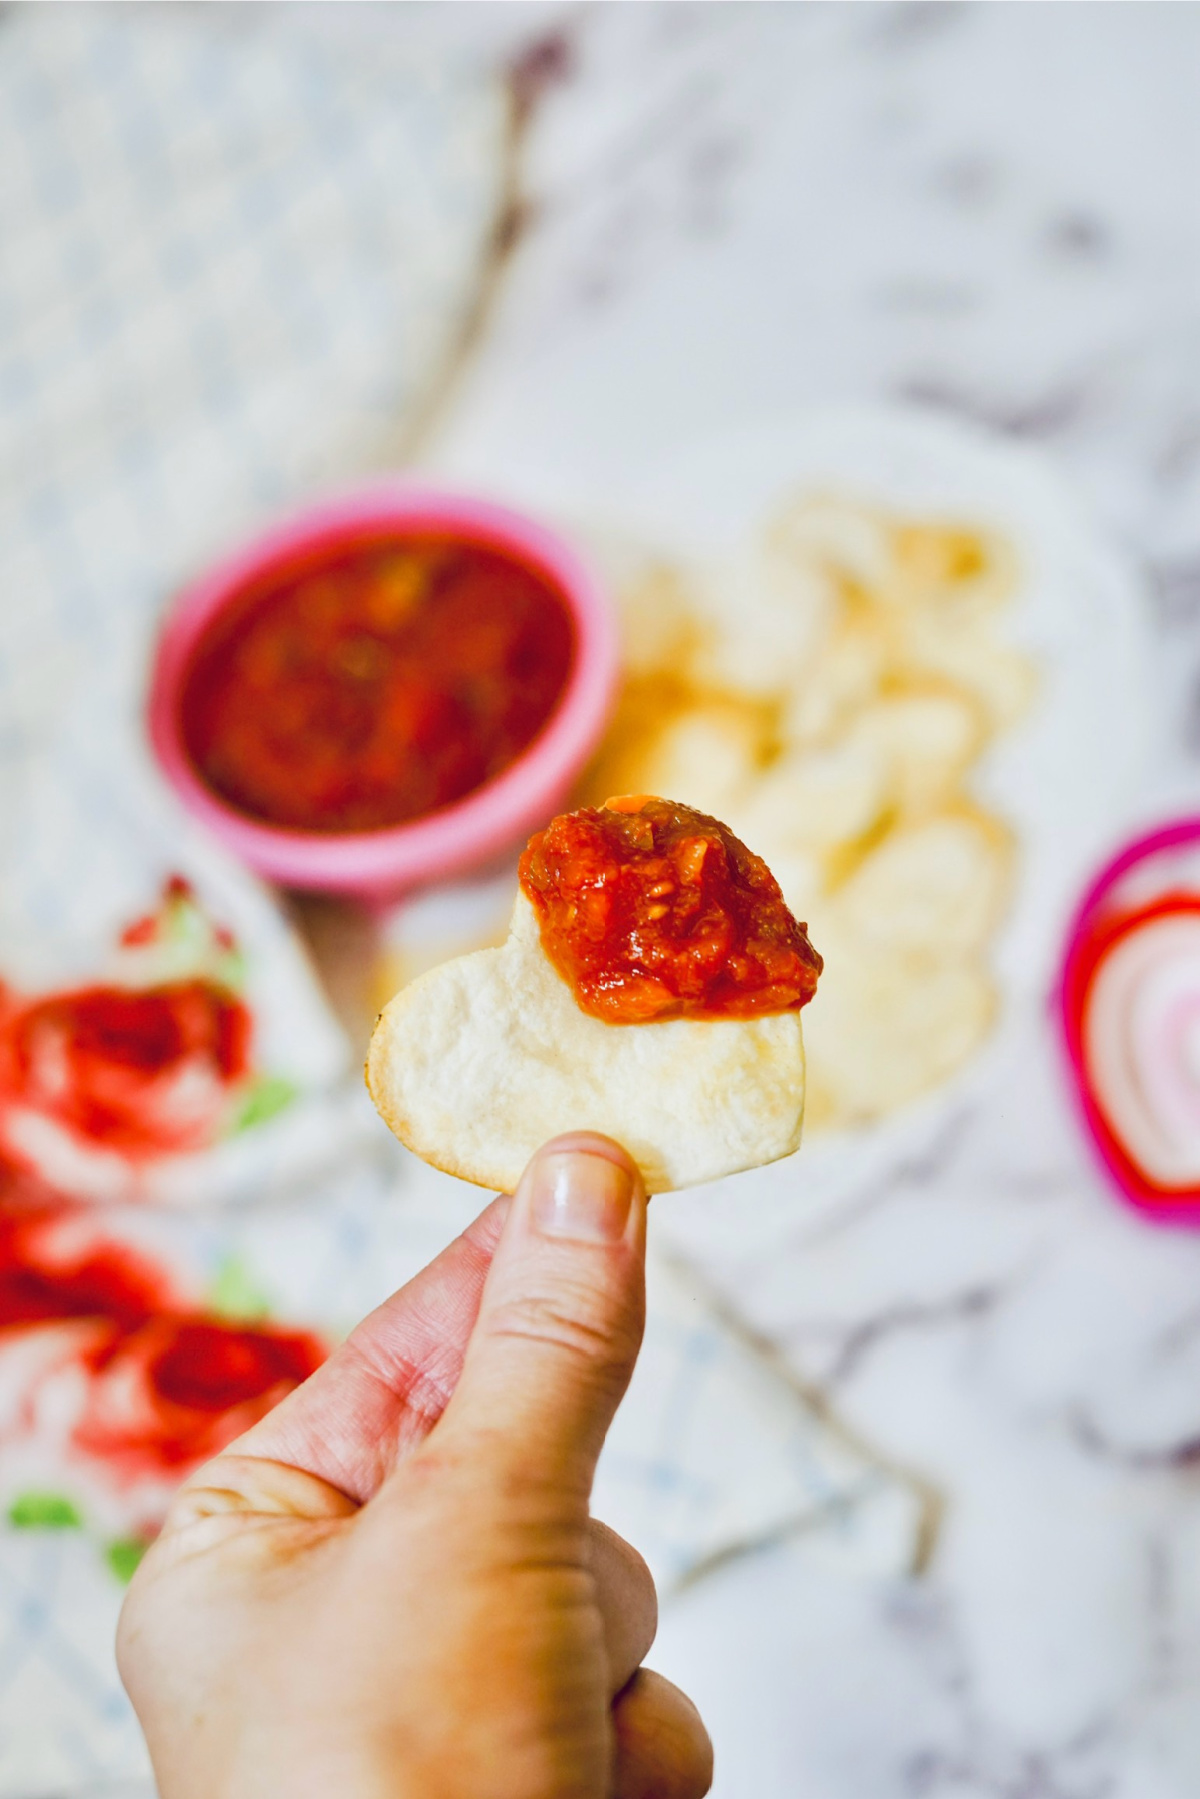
{"points": [[739, 210]]}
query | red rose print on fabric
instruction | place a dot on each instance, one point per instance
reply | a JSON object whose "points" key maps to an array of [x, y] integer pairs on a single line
{"points": [[146, 1073], [116, 1380], [166, 1397], [99, 1080], [106, 1359], [54, 1265]]}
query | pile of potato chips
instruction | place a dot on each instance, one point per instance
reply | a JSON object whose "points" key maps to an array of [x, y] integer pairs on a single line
{"points": [[827, 695]]}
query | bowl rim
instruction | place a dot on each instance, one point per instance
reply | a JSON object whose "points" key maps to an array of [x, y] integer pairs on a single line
{"points": [[466, 832]]}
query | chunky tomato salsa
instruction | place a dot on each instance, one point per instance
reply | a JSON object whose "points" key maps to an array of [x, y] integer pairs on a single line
{"points": [[650, 910], [368, 689]]}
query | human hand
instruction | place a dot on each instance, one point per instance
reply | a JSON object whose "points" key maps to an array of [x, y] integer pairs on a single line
{"points": [[391, 1585]]}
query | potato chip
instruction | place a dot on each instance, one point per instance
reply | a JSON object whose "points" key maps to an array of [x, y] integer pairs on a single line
{"points": [[708, 756], [800, 875], [659, 625], [970, 656], [817, 798], [480, 1061], [926, 737], [955, 565], [884, 1028], [936, 887], [846, 674], [768, 615], [838, 534]]}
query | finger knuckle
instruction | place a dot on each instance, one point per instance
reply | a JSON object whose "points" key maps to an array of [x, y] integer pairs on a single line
{"points": [[576, 1322]]}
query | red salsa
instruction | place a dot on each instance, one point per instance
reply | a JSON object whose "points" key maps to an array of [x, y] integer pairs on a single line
{"points": [[367, 689], [651, 910]]}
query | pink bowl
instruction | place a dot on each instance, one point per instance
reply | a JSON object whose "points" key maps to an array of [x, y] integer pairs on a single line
{"points": [[380, 865]]}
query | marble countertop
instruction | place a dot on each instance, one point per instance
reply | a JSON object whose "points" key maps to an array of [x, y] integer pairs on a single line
{"points": [[729, 213], [736, 211], [733, 212]]}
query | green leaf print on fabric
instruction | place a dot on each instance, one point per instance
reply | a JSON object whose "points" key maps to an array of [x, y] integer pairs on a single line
{"points": [[123, 1557], [44, 1511], [236, 1295], [269, 1095]]}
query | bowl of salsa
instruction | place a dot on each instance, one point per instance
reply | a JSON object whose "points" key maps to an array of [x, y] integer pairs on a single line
{"points": [[392, 688]]}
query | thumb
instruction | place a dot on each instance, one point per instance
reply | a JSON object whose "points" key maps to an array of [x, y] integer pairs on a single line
{"points": [[559, 1327]]}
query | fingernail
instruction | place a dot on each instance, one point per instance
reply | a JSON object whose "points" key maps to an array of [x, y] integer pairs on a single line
{"points": [[581, 1196]]}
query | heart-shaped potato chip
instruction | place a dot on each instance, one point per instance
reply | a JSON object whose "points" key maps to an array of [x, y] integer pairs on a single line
{"points": [[650, 988], [482, 1059]]}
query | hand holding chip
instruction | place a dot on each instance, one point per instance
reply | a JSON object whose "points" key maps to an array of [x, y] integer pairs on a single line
{"points": [[391, 1585]]}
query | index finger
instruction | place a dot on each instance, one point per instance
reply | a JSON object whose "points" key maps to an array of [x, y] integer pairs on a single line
{"points": [[383, 1389]]}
